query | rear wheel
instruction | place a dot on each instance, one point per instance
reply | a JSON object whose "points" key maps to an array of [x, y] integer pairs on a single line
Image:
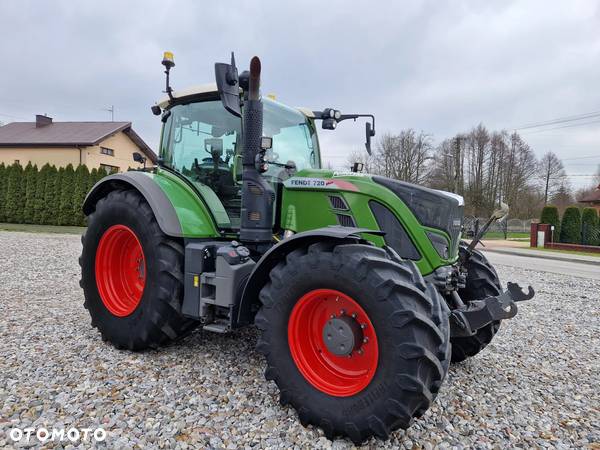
{"points": [[357, 344], [482, 282], [132, 274]]}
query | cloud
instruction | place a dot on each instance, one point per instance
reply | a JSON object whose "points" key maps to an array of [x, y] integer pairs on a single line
{"points": [[437, 67]]}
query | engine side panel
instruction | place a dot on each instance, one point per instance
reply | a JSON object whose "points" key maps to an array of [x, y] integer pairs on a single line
{"points": [[307, 204]]}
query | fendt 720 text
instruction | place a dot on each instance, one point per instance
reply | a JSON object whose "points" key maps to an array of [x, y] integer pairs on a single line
{"points": [[360, 286]]}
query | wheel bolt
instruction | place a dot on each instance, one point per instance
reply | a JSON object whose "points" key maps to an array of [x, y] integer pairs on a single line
{"points": [[363, 326], [332, 316], [360, 351], [365, 340], [342, 312], [354, 315]]}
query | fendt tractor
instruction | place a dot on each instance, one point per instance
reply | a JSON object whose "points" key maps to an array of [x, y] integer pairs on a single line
{"points": [[360, 286]]}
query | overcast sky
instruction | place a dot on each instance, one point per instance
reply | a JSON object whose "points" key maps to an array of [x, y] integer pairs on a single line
{"points": [[433, 66]]}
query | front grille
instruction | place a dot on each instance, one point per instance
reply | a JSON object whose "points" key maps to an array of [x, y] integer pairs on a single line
{"points": [[346, 220], [338, 202]]}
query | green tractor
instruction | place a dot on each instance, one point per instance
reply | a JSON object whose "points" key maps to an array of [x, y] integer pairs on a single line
{"points": [[360, 286]]}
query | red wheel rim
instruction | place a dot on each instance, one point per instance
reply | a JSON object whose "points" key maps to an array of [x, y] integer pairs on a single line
{"points": [[340, 376], [120, 270]]}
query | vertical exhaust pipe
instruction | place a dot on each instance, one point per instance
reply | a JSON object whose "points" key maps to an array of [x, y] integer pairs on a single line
{"points": [[257, 194]]}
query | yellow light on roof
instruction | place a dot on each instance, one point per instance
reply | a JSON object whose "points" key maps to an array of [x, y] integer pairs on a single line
{"points": [[168, 59], [272, 96]]}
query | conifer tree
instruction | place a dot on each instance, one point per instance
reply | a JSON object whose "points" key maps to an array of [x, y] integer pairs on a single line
{"points": [[40, 190], [570, 227], [65, 200], [29, 181], [3, 183], [80, 190], [14, 195], [550, 216], [49, 214], [54, 206], [92, 179], [590, 229]]}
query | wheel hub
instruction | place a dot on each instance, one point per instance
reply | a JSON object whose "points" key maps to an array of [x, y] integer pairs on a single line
{"points": [[120, 269], [333, 342], [342, 335]]}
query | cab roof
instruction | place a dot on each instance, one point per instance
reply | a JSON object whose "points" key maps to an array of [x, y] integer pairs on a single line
{"points": [[188, 92], [209, 88]]}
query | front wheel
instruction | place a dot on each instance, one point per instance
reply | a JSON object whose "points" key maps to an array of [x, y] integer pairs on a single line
{"points": [[358, 344], [132, 274], [482, 282]]}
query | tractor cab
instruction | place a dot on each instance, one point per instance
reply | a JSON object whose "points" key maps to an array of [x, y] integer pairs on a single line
{"points": [[202, 141]]}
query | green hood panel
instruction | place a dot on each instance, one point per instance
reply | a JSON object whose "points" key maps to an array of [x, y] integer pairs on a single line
{"points": [[306, 205]]}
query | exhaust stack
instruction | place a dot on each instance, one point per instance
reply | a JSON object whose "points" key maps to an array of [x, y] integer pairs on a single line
{"points": [[257, 194]]}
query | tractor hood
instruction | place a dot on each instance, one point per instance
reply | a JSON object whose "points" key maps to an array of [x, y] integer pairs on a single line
{"points": [[432, 208]]}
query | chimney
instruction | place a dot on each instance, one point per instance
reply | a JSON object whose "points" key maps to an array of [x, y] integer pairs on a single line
{"points": [[42, 121]]}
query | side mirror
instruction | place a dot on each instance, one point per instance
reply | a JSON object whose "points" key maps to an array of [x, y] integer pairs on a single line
{"points": [[138, 158], [369, 133], [502, 213], [228, 85]]}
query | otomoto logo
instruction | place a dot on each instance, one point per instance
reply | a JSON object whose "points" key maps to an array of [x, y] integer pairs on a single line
{"points": [[43, 435]]}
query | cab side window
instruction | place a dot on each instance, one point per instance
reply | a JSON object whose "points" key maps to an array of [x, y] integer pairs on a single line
{"points": [[201, 144]]}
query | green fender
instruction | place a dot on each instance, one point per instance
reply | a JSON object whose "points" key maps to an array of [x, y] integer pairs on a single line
{"points": [[260, 274], [179, 211]]}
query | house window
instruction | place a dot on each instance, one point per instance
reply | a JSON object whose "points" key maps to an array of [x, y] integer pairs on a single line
{"points": [[107, 151], [109, 169]]}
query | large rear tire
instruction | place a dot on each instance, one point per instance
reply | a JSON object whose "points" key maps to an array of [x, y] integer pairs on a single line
{"points": [[132, 274], [399, 358], [482, 282]]}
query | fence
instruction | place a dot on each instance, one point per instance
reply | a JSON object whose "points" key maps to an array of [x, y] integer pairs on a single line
{"points": [[473, 224]]}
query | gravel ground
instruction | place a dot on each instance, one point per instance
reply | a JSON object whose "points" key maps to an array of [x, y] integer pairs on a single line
{"points": [[536, 385]]}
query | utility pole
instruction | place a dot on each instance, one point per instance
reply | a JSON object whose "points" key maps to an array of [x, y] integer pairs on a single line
{"points": [[111, 110]]}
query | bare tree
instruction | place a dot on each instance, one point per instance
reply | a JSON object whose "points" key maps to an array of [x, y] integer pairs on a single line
{"points": [[551, 174], [563, 196], [444, 172], [485, 167], [404, 156]]}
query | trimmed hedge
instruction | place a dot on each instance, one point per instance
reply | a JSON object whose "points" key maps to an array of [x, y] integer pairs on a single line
{"points": [[570, 227], [46, 196], [550, 216], [590, 229]]}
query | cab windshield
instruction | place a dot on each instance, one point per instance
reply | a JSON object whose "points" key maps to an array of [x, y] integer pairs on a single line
{"points": [[203, 142]]}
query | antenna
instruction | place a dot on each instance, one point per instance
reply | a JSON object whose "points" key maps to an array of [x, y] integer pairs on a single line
{"points": [[111, 110]]}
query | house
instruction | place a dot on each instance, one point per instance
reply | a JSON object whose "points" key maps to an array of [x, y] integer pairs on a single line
{"points": [[106, 145], [592, 198]]}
